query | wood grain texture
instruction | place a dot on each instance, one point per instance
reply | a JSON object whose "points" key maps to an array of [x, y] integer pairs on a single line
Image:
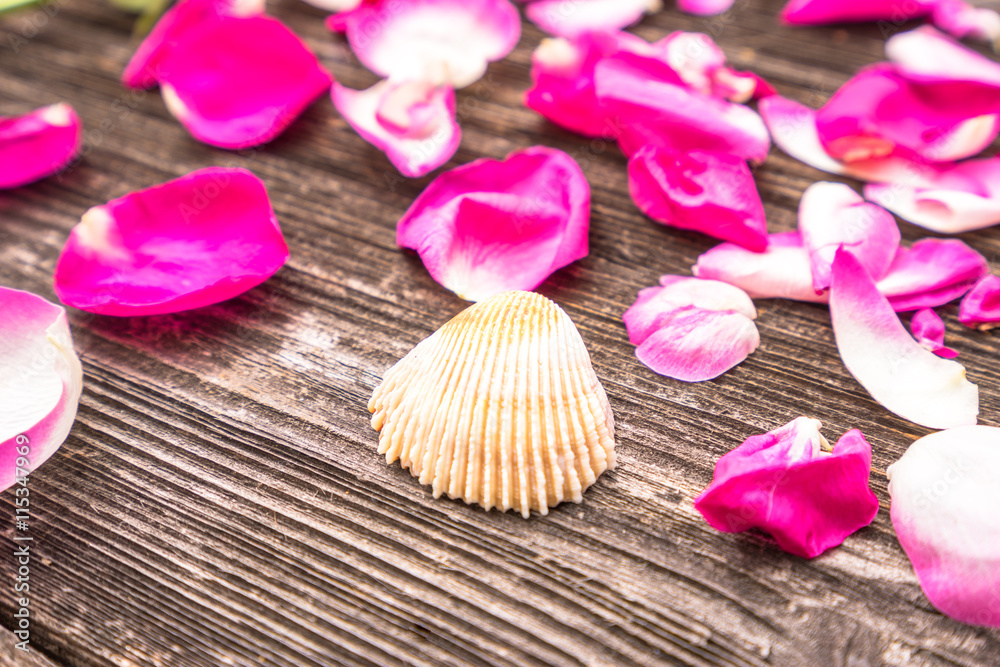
{"points": [[220, 501]]}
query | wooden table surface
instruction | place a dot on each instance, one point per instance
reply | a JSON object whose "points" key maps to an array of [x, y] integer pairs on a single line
{"points": [[220, 500]]}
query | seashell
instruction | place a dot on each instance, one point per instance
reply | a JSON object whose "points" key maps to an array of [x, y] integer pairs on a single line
{"points": [[499, 407]]}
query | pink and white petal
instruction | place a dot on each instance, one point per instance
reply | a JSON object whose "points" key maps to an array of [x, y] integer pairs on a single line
{"points": [[981, 306], [336, 5], [820, 12], [783, 482], [194, 241], [928, 328], [569, 18], [833, 215], [704, 7], [780, 272], [793, 128], [40, 382], [942, 211], [926, 55], [897, 371], [146, 65], [931, 273], [492, 226], [413, 122], [709, 192], [401, 40], [38, 144], [944, 498], [240, 82], [694, 56], [654, 111], [696, 345], [657, 305], [960, 19]]}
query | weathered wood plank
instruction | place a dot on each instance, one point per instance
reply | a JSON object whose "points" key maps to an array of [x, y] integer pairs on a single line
{"points": [[220, 501]]}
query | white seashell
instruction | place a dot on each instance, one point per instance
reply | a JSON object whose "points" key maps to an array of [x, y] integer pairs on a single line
{"points": [[499, 407]]}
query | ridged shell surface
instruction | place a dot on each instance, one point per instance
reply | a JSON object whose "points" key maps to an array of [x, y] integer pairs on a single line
{"points": [[499, 407]]}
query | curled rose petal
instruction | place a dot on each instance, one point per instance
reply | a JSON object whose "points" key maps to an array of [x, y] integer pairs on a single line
{"points": [[956, 199], [402, 39], [897, 371], [491, 226], [820, 12], [240, 82], [412, 121], [928, 329], [789, 484], [40, 383], [194, 241], [690, 329], [146, 64], [569, 18], [981, 306], [944, 499], [832, 215], [704, 7], [701, 64], [562, 72], [708, 192], [37, 144], [649, 110], [931, 273]]}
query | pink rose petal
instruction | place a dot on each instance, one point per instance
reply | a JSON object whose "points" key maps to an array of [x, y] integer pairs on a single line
{"points": [[832, 215], [981, 306], [786, 484], [37, 144], [897, 371], [960, 19], [690, 329], [569, 18], [194, 241], [40, 383], [931, 273], [656, 305], [403, 39], [413, 122], [701, 64], [650, 110], [925, 55], [491, 226], [705, 191], [928, 329], [819, 12], [145, 67], [240, 82], [704, 7], [944, 499]]}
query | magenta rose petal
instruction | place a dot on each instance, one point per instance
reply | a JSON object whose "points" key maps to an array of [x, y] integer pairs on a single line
{"points": [[931, 273], [704, 7], [944, 499], [898, 372], [413, 122], [832, 215], [789, 485], [569, 18], [709, 192], [648, 110], [146, 65], [928, 329], [40, 382], [38, 144], [402, 39], [821, 12], [981, 306], [192, 242], [655, 305], [491, 226], [240, 82]]}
